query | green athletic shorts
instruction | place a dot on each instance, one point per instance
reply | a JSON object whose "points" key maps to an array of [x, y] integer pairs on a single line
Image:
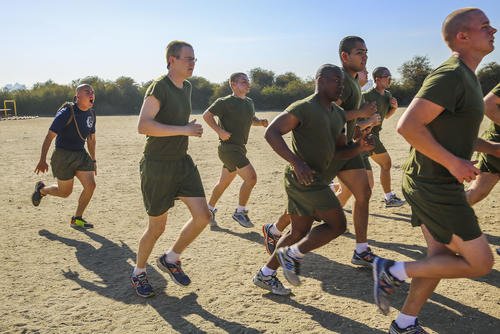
{"points": [[306, 200], [162, 182], [489, 163], [442, 208], [66, 163], [366, 161], [379, 146], [354, 163], [233, 156]]}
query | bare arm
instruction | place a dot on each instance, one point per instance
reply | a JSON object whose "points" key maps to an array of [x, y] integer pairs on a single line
{"points": [[282, 124], [412, 126], [42, 165], [210, 120], [91, 143], [345, 152], [259, 121], [487, 147], [491, 102], [149, 126], [394, 107]]}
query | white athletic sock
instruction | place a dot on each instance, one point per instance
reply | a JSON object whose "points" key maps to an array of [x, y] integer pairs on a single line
{"points": [[211, 208], [138, 271], [361, 247], [241, 208], [398, 270], [266, 271], [274, 231], [172, 257], [404, 320], [295, 252], [389, 195]]}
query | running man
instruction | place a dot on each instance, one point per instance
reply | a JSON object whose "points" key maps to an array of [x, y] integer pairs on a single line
{"points": [[488, 164], [236, 114], [167, 171], [386, 107], [73, 125], [315, 119], [441, 124], [352, 172]]}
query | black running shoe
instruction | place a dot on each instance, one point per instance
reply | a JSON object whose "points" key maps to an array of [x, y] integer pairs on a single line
{"points": [[36, 198]]}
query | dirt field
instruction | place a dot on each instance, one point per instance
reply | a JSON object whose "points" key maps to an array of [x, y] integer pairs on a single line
{"points": [[60, 280]]}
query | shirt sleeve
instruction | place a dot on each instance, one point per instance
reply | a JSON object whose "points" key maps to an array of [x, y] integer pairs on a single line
{"points": [[442, 88], [296, 109], [62, 117], [157, 90], [217, 108]]}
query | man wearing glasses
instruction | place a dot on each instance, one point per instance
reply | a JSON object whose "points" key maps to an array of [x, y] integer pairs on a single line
{"points": [[73, 125], [386, 107], [236, 115], [167, 171]]}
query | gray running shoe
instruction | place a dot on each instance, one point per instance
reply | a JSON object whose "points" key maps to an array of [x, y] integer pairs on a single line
{"points": [[242, 218], [364, 258], [413, 329], [291, 266], [271, 283], [213, 222], [394, 202], [384, 284], [270, 240]]}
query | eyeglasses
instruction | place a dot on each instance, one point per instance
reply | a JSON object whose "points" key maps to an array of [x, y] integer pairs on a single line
{"points": [[188, 59]]}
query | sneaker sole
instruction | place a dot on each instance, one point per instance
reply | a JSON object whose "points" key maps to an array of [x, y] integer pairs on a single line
{"points": [[362, 263], [242, 224], [266, 235], [165, 269], [34, 201], [384, 309], [290, 276], [264, 286], [77, 227]]}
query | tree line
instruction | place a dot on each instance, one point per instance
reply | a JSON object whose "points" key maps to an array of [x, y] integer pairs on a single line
{"points": [[268, 91]]}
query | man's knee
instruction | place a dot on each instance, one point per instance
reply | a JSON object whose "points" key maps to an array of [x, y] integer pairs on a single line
{"points": [[362, 195], [203, 218], [482, 265], [65, 192], [89, 185]]}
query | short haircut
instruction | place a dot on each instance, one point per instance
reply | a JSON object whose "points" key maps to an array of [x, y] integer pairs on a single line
{"points": [[380, 72], [327, 69], [348, 43], [174, 49], [456, 22], [236, 76], [81, 87]]}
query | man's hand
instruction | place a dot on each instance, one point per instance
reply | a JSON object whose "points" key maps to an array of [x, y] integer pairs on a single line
{"points": [[264, 122], [463, 170], [193, 129], [224, 135], [42, 167], [394, 103], [303, 172]]}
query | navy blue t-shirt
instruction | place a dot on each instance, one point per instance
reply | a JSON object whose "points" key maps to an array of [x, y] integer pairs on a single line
{"points": [[67, 136]]}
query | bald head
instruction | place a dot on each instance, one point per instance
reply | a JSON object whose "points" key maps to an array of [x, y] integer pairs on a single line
{"points": [[457, 21]]}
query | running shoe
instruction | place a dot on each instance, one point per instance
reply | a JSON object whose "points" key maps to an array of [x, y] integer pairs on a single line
{"points": [[174, 270], [213, 222], [270, 240], [394, 201], [271, 283], [364, 258], [141, 285], [384, 284], [291, 266], [37, 196], [413, 329], [242, 218], [80, 223]]}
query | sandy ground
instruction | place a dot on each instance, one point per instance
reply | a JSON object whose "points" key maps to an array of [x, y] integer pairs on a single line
{"points": [[60, 280]]}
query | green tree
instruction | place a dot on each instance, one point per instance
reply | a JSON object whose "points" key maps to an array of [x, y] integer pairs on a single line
{"points": [[202, 92], [261, 78], [489, 76]]}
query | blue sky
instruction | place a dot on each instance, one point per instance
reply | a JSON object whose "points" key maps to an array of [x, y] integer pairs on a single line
{"points": [[67, 40]]}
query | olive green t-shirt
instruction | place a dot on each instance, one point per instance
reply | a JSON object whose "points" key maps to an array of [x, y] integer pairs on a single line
{"points": [[454, 87], [235, 116], [351, 100], [175, 108], [494, 128], [313, 140], [383, 104]]}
